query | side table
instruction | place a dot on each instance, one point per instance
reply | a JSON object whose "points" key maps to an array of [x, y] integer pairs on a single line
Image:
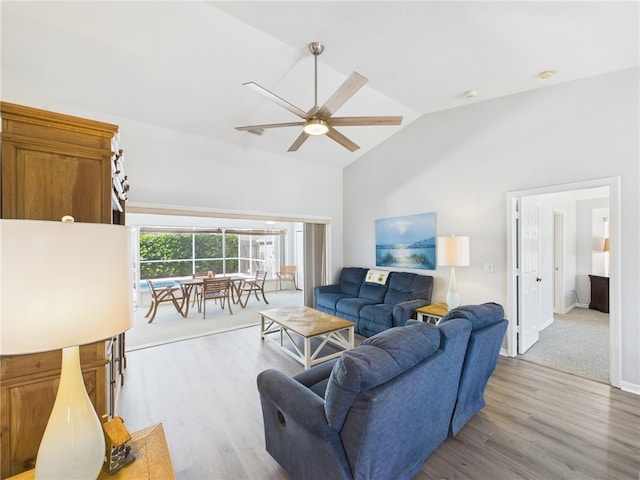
{"points": [[153, 460], [432, 313]]}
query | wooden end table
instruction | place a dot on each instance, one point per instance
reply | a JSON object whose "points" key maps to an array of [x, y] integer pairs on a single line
{"points": [[432, 313], [153, 461]]}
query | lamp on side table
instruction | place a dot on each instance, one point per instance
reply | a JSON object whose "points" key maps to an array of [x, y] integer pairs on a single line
{"points": [[453, 252], [62, 285]]}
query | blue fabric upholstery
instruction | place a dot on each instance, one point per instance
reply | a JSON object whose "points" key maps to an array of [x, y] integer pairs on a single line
{"points": [[327, 296], [376, 361], [374, 291], [408, 286], [483, 349], [350, 308], [374, 307], [371, 413], [351, 279]]}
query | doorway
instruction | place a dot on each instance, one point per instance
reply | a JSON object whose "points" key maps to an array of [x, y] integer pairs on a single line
{"points": [[559, 290]]}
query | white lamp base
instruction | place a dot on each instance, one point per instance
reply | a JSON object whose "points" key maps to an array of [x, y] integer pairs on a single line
{"points": [[73, 444], [453, 294]]}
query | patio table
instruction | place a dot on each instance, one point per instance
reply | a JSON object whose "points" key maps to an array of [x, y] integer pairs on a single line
{"points": [[188, 284]]}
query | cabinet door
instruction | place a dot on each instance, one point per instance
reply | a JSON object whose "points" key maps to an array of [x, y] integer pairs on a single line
{"points": [[46, 182], [24, 405]]}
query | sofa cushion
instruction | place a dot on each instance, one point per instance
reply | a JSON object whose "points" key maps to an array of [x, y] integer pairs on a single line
{"points": [[375, 361], [352, 306], [328, 301], [375, 319], [351, 278], [373, 291], [480, 316], [405, 286]]}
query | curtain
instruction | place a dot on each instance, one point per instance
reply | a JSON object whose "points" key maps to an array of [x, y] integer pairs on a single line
{"points": [[315, 259]]}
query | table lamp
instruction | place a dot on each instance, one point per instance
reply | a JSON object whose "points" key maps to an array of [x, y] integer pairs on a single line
{"points": [[453, 252], [63, 285]]}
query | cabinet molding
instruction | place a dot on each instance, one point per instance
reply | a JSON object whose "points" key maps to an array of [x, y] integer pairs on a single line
{"points": [[55, 165]]}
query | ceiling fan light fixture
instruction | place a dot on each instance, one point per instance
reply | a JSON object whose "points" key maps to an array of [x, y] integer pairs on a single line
{"points": [[316, 126]]}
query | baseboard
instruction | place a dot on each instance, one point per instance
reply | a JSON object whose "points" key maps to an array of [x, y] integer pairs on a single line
{"points": [[574, 306], [630, 387]]}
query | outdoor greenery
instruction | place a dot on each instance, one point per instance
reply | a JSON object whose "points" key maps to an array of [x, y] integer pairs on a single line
{"points": [[165, 255]]}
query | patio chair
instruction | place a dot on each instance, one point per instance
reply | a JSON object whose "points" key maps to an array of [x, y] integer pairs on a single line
{"points": [[198, 288], [160, 295], [256, 285], [215, 289], [287, 273]]}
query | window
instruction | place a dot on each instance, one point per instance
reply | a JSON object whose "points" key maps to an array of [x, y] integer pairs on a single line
{"points": [[175, 252]]}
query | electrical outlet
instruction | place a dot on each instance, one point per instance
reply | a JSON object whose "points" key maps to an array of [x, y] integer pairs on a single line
{"points": [[487, 267]]}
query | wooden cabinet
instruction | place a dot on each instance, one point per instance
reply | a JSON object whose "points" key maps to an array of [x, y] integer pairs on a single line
{"points": [[599, 293], [53, 165], [27, 394]]}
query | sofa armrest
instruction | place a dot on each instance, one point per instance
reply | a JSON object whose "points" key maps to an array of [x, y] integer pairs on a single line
{"points": [[334, 288], [317, 374], [404, 311], [296, 402]]}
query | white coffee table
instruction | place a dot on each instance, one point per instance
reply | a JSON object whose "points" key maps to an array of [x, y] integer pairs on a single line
{"points": [[282, 325]]}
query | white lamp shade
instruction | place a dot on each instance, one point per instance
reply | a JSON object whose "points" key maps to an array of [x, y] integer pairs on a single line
{"points": [[63, 284], [453, 251]]}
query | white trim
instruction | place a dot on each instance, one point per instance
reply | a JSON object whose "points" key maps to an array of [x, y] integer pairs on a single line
{"points": [[630, 387], [189, 211], [615, 340]]}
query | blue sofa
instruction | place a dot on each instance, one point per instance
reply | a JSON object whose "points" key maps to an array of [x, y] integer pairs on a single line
{"points": [[375, 413], [488, 326], [372, 306]]}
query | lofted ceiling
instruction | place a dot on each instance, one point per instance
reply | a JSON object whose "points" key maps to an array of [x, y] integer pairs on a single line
{"points": [[181, 64]]}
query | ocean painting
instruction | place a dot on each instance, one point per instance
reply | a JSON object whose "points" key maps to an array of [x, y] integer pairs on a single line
{"points": [[407, 242]]}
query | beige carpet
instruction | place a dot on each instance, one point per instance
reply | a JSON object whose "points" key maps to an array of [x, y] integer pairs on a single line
{"points": [[169, 326], [577, 343]]}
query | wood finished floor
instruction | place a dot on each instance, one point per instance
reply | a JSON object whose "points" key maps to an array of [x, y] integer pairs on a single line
{"points": [[538, 423]]}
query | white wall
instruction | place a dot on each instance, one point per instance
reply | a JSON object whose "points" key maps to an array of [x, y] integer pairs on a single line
{"points": [[461, 163], [174, 169]]}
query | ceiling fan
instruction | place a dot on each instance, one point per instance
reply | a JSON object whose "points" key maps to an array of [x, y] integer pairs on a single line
{"points": [[319, 120]]}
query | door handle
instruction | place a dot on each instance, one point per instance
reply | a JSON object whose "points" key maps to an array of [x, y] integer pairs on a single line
{"points": [[538, 279]]}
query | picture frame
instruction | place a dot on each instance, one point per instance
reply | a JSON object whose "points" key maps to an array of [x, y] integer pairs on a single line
{"points": [[407, 241]]}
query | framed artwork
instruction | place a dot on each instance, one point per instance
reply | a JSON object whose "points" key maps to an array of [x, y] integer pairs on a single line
{"points": [[407, 242]]}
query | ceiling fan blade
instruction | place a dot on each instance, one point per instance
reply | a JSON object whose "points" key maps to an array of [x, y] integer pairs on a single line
{"points": [[342, 140], [344, 92], [298, 142], [276, 99], [362, 121], [270, 125]]}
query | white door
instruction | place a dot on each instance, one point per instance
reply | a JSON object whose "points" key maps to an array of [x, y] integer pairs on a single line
{"points": [[530, 296]]}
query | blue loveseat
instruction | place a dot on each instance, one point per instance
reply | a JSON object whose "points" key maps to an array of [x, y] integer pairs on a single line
{"points": [[374, 307], [375, 413]]}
